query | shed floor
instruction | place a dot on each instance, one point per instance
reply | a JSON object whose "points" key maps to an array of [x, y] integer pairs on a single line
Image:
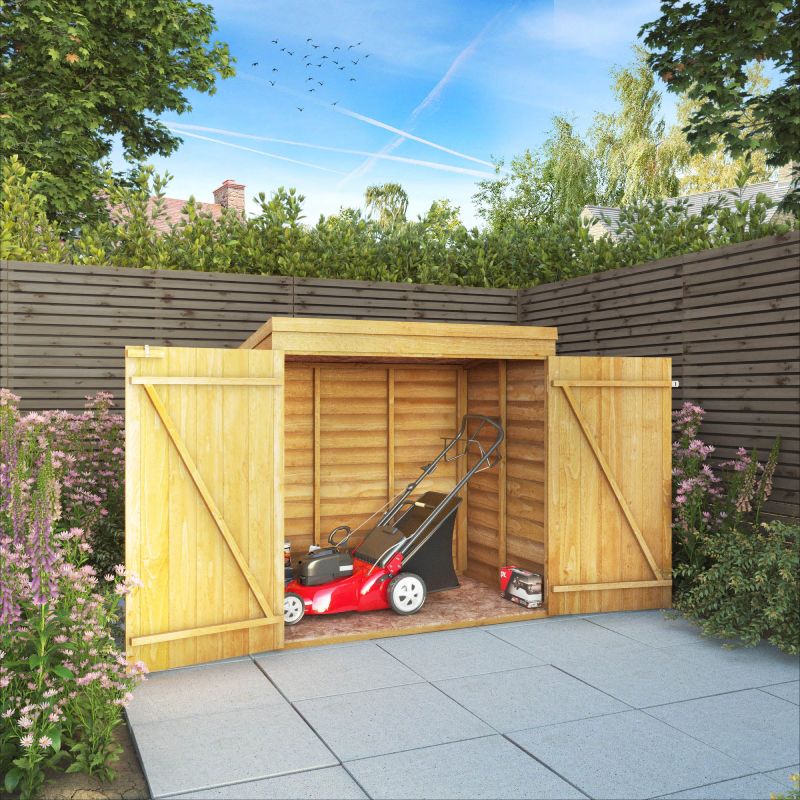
{"points": [[472, 604]]}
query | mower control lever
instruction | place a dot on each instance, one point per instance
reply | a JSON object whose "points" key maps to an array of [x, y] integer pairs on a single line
{"points": [[344, 541]]}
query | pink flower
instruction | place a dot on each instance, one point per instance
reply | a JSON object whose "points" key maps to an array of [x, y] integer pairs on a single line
{"points": [[26, 740], [45, 741]]}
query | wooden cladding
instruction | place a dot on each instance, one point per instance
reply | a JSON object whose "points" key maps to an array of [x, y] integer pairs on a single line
{"points": [[204, 504], [609, 483], [505, 514], [356, 435], [730, 320]]}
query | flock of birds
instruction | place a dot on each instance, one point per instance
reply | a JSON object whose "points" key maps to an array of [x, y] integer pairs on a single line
{"points": [[323, 61]]}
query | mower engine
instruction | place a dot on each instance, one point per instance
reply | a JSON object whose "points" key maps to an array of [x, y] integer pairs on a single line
{"points": [[324, 566]]}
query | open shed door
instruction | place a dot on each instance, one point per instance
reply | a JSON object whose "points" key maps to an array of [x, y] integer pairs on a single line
{"points": [[609, 483], [204, 503]]}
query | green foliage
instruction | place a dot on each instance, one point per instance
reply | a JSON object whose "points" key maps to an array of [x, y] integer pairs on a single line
{"points": [[751, 590], [78, 72], [715, 170], [625, 155], [442, 218], [351, 246], [633, 154], [794, 793], [703, 49], [389, 201]]}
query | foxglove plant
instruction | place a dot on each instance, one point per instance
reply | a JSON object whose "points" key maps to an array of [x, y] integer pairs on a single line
{"points": [[697, 492], [61, 680]]}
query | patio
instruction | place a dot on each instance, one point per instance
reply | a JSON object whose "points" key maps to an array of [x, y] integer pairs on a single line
{"points": [[619, 705]]}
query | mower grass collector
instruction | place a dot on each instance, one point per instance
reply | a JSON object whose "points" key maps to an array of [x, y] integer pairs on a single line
{"points": [[408, 554]]}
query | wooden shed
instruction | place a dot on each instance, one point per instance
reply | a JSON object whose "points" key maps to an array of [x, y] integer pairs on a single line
{"points": [[315, 423]]}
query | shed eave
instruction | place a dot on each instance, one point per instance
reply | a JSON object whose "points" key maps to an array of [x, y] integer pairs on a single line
{"points": [[392, 338]]}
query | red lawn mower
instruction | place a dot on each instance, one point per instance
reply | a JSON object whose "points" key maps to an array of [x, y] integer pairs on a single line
{"points": [[407, 555]]}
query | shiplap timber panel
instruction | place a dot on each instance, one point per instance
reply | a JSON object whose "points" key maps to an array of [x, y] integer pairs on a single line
{"points": [[727, 317], [483, 495], [525, 486]]}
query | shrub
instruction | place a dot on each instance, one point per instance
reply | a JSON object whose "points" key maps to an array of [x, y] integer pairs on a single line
{"points": [[62, 683], [737, 576], [750, 589], [348, 245]]}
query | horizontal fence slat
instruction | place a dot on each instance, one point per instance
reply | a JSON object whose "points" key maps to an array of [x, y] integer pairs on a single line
{"points": [[727, 317]]}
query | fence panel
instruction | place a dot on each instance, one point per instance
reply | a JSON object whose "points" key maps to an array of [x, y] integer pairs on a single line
{"points": [[729, 318]]}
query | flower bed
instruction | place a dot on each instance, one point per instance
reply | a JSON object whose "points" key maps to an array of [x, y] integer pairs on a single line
{"points": [[734, 574], [62, 683]]}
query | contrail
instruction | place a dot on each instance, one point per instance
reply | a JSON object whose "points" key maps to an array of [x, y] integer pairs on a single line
{"points": [[433, 95], [369, 120], [260, 152], [180, 127]]}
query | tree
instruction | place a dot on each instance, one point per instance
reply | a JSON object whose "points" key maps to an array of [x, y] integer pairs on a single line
{"points": [[703, 48], [633, 155], [76, 73], [625, 155], [389, 201], [443, 219], [716, 170]]}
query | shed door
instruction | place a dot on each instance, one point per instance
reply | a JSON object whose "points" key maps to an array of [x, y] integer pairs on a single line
{"points": [[204, 503], [609, 483]]}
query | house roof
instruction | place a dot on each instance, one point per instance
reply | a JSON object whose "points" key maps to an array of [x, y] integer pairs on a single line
{"points": [[171, 212], [775, 190]]}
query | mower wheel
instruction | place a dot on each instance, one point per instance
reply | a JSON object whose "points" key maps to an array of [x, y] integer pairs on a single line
{"points": [[294, 608], [406, 593]]}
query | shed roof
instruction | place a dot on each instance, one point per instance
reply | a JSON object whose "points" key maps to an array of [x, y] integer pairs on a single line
{"points": [[389, 339]]}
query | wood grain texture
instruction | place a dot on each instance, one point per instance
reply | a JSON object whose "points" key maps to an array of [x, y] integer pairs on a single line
{"points": [[195, 502], [727, 317], [607, 519]]}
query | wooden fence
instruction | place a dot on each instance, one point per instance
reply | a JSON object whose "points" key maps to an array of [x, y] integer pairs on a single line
{"points": [[729, 318]]}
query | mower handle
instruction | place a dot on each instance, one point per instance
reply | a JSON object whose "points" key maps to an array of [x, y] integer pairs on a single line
{"points": [[343, 541]]}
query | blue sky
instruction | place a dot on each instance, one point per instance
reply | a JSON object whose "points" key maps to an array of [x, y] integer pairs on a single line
{"points": [[478, 78]]}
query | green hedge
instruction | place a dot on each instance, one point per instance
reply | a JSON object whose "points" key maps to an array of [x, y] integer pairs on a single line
{"points": [[351, 246]]}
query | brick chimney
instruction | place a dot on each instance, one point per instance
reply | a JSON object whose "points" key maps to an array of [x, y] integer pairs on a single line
{"points": [[789, 172], [230, 195]]}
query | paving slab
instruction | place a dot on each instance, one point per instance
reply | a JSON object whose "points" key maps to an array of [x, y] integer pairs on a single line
{"points": [[208, 689], [325, 671], [389, 720], [197, 753], [784, 776], [753, 787], [491, 767], [786, 691], [455, 654], [528, 698], [753, 727], [649, 627], [622, 756], [330, 783], [556, 640], [761, 665], [651, 677]]}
